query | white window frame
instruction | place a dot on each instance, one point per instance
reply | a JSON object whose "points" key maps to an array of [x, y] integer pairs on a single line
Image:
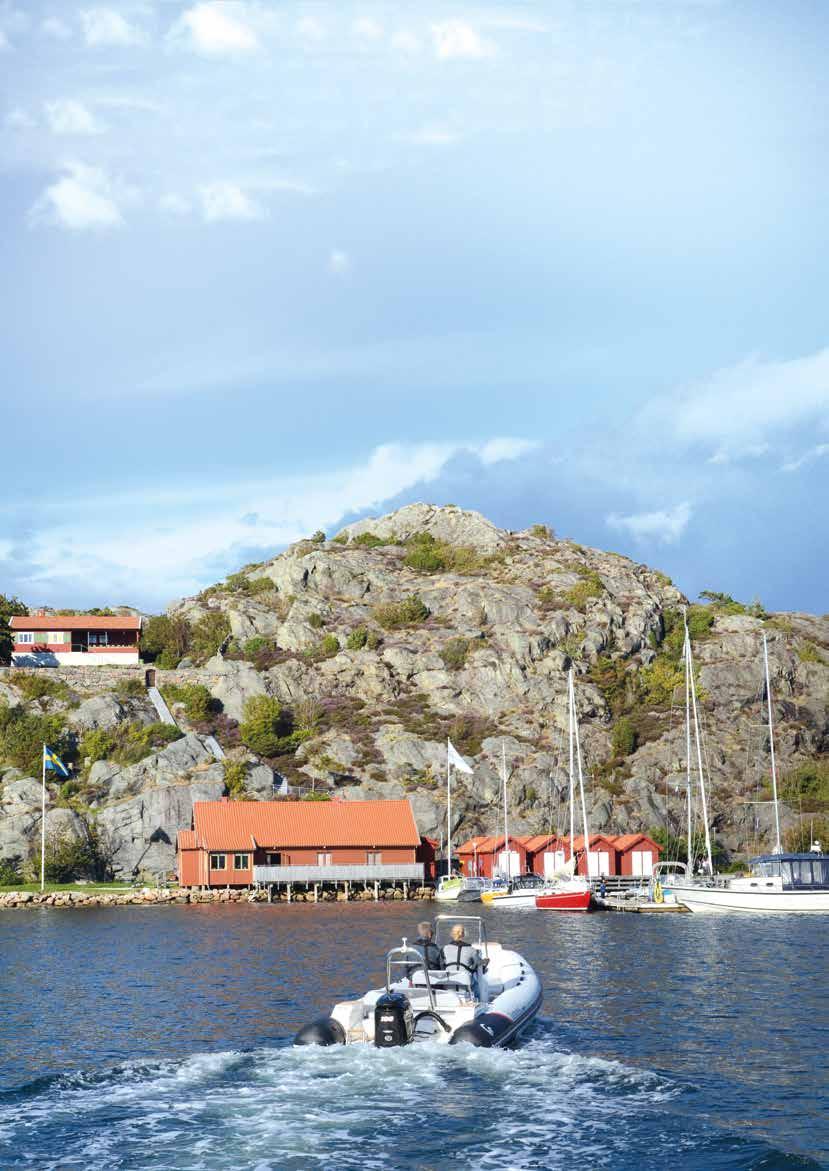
{"points": [[374, 858], [214, 861], [241, 861], [97, 638], [324, 859], [24, 636]]}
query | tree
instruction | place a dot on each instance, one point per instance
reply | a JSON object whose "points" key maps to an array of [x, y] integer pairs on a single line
{"points": [[9, 607], [166, 639], [264, 725]]}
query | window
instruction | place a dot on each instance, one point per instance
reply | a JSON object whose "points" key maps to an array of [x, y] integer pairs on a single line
{"points": [[24, 636], [273, 859], [324, 859], [218, 862], [241, 862], [98, 638], [56, 636], [374, 859]]}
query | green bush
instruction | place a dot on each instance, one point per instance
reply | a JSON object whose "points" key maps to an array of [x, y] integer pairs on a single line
{"points": [[807, 652], [589, 587], [165, 639], [610, 676], [368, 541], [235, 776], [357, 639], [68, 790], [9, 872], [454, 653], [197, 700], [125, 744], [9, 608], [328, 646], [408, 612], [130, 688], [315, 621], [318, 537], [69, 858], [661, 681], [424, 560], [266, 728], [542, 531], [807, 786], [426, 554], [340, 539], [23, 734], [254, 646], [208, 634], [624, 737], [38, 685]]}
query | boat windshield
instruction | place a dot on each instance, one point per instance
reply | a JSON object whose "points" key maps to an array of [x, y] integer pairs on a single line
{"points": [[796, 870], [473, 927]]}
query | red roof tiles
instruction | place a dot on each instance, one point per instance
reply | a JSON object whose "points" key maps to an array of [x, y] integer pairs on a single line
{"points": [[75, 622], [243, 825]]}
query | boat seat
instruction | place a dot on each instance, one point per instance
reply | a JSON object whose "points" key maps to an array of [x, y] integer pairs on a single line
{"points": [[456, 979], [418, 977]]}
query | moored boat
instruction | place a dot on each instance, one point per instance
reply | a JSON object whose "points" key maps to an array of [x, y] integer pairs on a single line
{"points": [[518, 892], [489, 1007], [575, 896]]}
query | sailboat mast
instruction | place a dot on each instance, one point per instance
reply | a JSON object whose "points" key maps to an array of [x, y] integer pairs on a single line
{"points": [[581, 782], [571, 714], [448, 813], [699, 759], [778, 848], [687, 741], [506, 824]]}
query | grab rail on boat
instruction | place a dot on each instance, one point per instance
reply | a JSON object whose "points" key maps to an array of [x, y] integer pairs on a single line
{"points": [[408, 957]]}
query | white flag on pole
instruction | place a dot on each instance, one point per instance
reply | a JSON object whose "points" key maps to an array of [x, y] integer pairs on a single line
{"points": [[456, 759]]}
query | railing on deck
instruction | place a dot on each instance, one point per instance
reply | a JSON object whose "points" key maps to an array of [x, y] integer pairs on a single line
{"points": [[361, 872]]}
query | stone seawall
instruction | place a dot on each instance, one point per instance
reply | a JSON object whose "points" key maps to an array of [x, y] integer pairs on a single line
{"points": [[148, 897]]}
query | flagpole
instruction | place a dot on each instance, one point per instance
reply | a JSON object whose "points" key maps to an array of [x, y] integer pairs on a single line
{"points": [[448, 813], [43, 819]]}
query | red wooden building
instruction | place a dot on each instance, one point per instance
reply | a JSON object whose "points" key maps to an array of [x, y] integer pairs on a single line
{"points": [[481, 855], [51, 640], [229, 838], [636, 853]]}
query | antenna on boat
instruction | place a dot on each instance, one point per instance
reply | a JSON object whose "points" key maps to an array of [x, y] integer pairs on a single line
{"points": [[581, 783], [689, 666], [778, 848]]}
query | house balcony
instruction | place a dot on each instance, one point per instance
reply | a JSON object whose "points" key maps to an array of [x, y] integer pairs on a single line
{"points": [[360, 872]]}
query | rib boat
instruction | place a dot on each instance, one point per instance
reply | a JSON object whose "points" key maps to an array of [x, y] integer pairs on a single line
{"points": [[418, 1005]]}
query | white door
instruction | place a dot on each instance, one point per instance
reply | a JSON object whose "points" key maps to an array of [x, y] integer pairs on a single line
{"points": [[323, 859], [508, 863], [553, 861], [642, 863]]}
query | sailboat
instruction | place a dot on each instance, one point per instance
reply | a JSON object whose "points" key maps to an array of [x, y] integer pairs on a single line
{"points": [[451, 886], [569, 891], [519, 890], [787, 882]]}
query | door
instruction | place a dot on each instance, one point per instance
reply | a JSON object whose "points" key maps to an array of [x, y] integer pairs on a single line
{"points": [[149, 677], [553, 861], [324, 859], [642, 863]]}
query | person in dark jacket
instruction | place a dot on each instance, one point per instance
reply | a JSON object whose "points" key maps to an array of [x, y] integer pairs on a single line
{"points": [[427, 947]]}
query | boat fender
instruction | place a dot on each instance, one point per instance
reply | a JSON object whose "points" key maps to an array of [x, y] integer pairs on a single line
{"points": [[658, 896], [485, 1031], [324, 1031]]}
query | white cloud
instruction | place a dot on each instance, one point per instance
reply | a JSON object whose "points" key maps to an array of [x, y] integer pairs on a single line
{"points": [[216, 29], [665, 525], [505, 448], [212, 527], [311, 29], [226, 201], [175, 204], [55, 28], [725, 455], [83, 198], [338, 261], [18, 119], [4, 41], [455, 39], [742, 408], [808, 457], [106, 27], [367, 29], [67, 116], [405, 41]]}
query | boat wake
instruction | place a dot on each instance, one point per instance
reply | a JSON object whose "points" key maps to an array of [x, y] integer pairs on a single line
{"points": [[289, 1109]]}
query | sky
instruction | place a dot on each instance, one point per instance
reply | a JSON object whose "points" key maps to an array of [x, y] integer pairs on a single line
{"points": [[268, 267]]}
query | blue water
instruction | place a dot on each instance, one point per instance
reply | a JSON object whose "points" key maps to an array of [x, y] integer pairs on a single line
{"points": [[160, 1038]]}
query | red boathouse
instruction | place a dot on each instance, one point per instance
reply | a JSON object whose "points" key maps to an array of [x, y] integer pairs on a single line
{"points": [[237, 843]]}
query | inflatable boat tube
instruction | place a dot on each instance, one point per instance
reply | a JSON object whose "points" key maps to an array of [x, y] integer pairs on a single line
{"points": [[325, 1031]]}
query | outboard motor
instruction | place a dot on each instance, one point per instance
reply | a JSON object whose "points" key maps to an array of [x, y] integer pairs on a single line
{"points": [[393, 1021]]}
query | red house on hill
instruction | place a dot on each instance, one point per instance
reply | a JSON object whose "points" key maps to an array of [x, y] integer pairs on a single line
{"points": [[51, 640], [237, 843]]}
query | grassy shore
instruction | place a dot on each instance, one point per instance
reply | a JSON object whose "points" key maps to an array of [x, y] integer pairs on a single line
{"points": [[77, 887]]}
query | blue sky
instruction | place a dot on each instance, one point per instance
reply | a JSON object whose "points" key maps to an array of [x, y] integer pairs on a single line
{"points": [[271, 265]]}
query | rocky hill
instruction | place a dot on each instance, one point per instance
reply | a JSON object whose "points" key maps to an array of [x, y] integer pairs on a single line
{"points": [[368, 649]]}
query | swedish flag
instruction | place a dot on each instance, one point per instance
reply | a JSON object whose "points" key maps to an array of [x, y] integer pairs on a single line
{"points": [[51, 760]]}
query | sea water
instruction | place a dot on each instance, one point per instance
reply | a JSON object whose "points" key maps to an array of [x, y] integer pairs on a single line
{"points": [[160, 1038]]}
